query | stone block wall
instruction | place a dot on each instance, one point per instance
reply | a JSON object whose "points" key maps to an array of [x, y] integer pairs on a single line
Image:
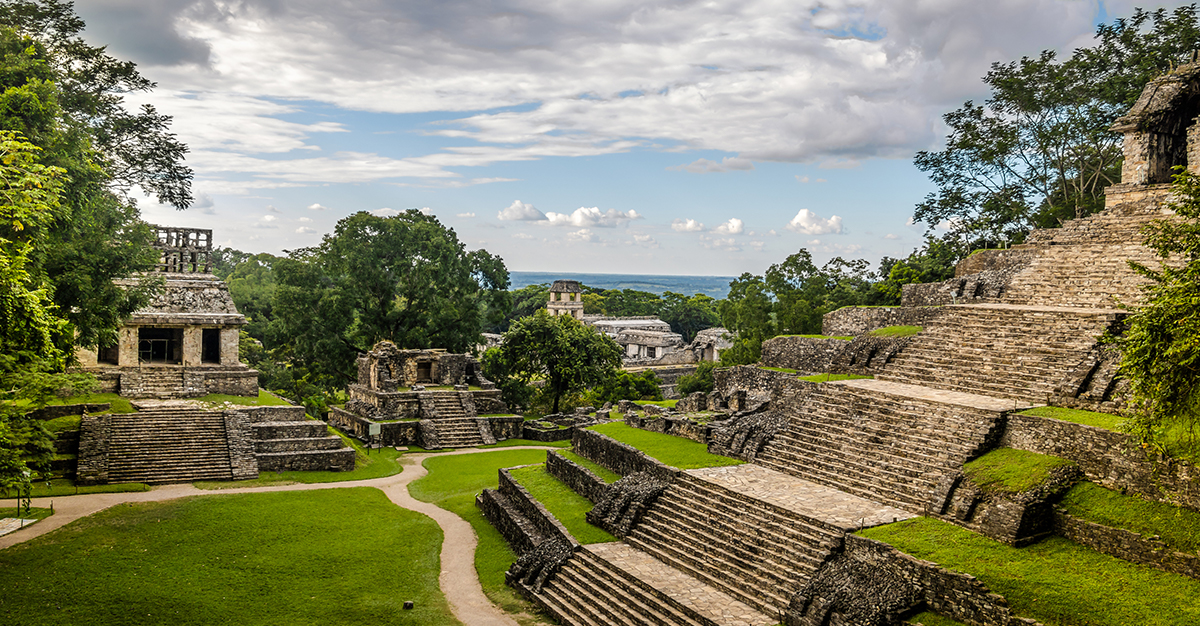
{"points": [[669, 425], [851, 321], [1016, 519], [543, 520], [1106, 457], [806, 355], [519, 532], [92, 465], [233, 383], [580, 479], [242, 461], [1126, 545], [615, 456], [754, 382]]}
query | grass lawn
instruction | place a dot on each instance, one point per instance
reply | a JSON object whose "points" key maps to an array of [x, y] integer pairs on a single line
{"points": [[330, 557], [264, 399], [65, 487], [896, 331], [929, 618], [452, 484], [1010, 470], [367, 464], [119, 404], [1087, 418], [508, 443], [1055, 581], [606, 474], [64, 423], [829, 378], [32, 513], [569, 507], [777, 369], [672, 450], [670, 404], [1175, 526]]}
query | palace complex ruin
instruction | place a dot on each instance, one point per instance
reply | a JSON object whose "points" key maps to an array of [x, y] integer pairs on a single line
{"points": [[776, 539]]}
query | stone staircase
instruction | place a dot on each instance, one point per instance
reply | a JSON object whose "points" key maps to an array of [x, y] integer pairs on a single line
{"points": [[286, 440], [1084, 275], [460, 432], [1007, 351], [168, 445], [447, 405], [756, 552], [887, 442], [613, 583]]}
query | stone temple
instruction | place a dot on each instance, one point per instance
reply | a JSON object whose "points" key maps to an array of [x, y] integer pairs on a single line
{"points": [[184, 343], [776, 539]]}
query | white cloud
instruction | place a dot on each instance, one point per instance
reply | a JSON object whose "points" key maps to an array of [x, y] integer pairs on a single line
{"points": [[305, 220], [304, 230], [204, 203], [803, 179], [727, 164], [809, 223], [950, 224], [266, 221], [686, 226], [758, 246], [522, 236], [891, 236], [272, 209], [592, 217], [426, 210], [583, 235], [732, 227], [646, 241], [317, 207], [720, 243], [385, 212], [465, 215], [520, 211]]}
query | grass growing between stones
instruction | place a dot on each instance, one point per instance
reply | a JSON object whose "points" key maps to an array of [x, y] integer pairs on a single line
{"points": [[330, 557], [896, 331], [669, 404], [1055, 581], [569, 507], [1087, 418], [674, 451], [929, 618], [264, 399], [1176, 526], [785, 370], [604, 473], [1010, 470], [829, 378], [452, 484]]}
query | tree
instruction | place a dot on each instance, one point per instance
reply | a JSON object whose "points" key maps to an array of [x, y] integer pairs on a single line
{"points": [[1039, 151], [404, 278], [623, 385], [700, 380], [688, 316], [630, 302], [1161, 349], [559, 350]]}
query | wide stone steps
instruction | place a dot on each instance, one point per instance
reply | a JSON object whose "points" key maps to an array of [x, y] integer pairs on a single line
{"points": [[448, 405], [616, 584], [1081, 276], [300, 444], [164, 445], [458, 432], [1001, 350]]}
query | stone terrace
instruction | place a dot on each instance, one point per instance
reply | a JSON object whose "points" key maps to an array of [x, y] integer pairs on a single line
{"points": [[1008, 351], [888, 442], [752, 532]]}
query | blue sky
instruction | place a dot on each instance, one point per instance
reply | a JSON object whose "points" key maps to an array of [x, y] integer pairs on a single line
{"points": [[669, 137]]}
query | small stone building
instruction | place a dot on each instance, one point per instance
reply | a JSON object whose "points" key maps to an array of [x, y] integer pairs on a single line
{"points": [[566, 298], [184, 343]]}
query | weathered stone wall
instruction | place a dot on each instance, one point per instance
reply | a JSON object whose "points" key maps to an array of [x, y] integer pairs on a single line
{"points": [[754, 382], [580, 479], [806, 355], [615, 456], [1106, 457], [1126, 545], [488, 401], [868, 355], [240, 438], [94, 433], [851, 321], [545, 521], [235, 383], [273, 413], [670, 425], [996, 261], [518, 531], [871, 582], [1016, 519]]}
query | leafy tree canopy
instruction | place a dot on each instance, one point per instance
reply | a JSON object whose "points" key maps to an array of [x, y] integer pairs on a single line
{"points": [[405, 278], [1039, 151]]}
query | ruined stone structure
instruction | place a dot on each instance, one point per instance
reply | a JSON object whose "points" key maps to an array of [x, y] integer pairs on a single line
{"points": [[425, 397], [184, 343], [773, 540], [566, 298]]}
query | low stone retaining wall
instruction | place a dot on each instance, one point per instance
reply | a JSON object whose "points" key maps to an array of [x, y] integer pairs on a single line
{"points": [[273, 413], [240, 438], [670, 425], [852, 321], [1106, 457], [618, 457], [580, 479], [544, 521], [1016, 519], [407, 432], [806, 355], [753, 382], [519, 532], [1126, 545], [63, 410]]}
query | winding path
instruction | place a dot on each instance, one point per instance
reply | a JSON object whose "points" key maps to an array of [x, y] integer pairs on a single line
{"points": [[458, 579]]}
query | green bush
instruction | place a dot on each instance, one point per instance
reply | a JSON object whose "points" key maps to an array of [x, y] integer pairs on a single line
{"points": [[700, 380]]}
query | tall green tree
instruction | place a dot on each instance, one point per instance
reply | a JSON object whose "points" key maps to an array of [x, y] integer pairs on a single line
{"points": [[1161, 349], [557, 349], [688, 316], [405, 278], [1038, 151]]}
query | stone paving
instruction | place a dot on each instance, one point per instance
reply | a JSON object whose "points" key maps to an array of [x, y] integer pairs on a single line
{"points": [[929, 394], [9, 524], [709, 602], [825, 504]]}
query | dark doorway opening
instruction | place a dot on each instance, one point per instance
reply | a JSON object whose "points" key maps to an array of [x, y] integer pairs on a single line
{"points": [[160, 345], [210, 345], [108, 355]]}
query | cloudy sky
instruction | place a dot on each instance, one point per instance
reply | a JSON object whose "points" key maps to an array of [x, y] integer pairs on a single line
{"points": [[639, 136]]}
